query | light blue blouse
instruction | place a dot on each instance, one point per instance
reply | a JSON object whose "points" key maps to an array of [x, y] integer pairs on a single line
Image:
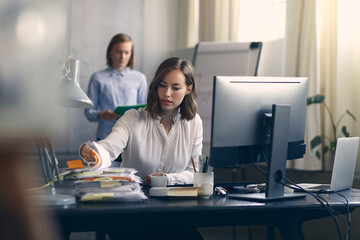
{"points": [[109, 89]]}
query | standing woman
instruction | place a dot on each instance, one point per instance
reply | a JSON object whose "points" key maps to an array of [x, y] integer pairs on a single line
{"points": [[118, 84], [163, 138]]}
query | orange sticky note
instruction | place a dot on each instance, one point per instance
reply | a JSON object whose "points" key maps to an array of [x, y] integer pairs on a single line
{"points": [[74, 164]]}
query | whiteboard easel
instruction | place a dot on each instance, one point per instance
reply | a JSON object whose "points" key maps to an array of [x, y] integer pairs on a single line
{"points": [[221, 59]]}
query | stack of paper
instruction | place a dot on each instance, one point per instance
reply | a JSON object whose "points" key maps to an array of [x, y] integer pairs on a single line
{"points": [[111, 184]]}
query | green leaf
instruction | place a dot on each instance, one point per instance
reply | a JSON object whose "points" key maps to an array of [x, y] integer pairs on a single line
{"points": [[315, 99], [345, 132], [309, 101], [316, 141], [351, 115], [333, 146], [325, 149], [318, 154], [319, 98]]}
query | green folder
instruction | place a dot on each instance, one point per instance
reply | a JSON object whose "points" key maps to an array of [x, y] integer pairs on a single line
{"points": [[122, 109]]}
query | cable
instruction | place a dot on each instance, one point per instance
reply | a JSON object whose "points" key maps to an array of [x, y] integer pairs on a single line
{"points": [[264, 155], [257, 167], [41, 187], [320, 199], [333, 215], [333, 211], [347, 235]]}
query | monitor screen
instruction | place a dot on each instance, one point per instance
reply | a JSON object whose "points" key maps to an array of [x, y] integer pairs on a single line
{"points": [[242, 105]]}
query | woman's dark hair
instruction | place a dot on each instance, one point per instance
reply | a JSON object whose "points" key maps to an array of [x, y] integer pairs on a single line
{"points": [[188, 107], [118, 38]]}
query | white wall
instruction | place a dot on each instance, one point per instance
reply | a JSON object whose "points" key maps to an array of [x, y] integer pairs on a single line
{"points": [[152, 26], [160, 24]]}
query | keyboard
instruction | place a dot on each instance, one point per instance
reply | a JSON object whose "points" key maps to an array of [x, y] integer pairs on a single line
{"points": [[320, 187], [233, 184]]}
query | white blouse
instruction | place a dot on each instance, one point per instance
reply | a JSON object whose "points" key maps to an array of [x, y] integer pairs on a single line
{"points": [[146, 147]]}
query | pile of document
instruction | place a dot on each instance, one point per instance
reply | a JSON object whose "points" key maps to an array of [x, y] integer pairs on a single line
{"points": [[111, 184]]}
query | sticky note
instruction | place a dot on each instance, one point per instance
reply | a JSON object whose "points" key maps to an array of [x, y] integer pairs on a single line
{"points": [[97, 197], [74, 164], [110, 184], [120, 170]]}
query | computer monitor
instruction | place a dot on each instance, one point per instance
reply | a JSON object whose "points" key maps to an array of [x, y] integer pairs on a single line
{"points": [[243, 121]]}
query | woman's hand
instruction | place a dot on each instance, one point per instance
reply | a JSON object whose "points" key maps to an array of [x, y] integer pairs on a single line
{"points": [[147, 178], [86, 153], [108, 115]]}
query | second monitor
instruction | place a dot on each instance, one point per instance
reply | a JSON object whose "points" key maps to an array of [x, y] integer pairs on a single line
{"points": [[244, 128], [241, 107]]}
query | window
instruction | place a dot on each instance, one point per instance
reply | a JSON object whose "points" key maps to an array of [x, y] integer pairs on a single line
{"points": [[262, 20]]}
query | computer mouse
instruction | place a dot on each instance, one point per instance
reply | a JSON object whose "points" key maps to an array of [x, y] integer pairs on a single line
{"points": [[252, 188]]}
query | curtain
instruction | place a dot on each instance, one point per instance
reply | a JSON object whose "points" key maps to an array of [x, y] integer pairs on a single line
{"points": [[321, 43], [348, 61], [311, 51], [207, 20], [219, 20], [327, 62], [301, 61], [188, 24]]}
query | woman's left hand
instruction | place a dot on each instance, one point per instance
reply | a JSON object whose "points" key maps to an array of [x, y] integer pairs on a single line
{"points": [[147, 178]]}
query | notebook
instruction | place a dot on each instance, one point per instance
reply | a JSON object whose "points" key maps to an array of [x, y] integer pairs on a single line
{"points": [[174, 192], [343, 169], [122, 109]]}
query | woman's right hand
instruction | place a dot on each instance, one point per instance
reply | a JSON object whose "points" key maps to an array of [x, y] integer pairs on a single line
{"points": [[108, 115], [86, 153]]}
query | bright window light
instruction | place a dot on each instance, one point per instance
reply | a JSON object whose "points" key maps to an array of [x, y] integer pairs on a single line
{"points": [[262, 20]]}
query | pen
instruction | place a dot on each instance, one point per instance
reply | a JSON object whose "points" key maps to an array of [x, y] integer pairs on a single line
{"points": [[205, 168], [192, 160]]}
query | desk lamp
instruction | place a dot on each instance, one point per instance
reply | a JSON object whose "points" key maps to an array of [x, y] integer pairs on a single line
{"points": [[71, 95]]}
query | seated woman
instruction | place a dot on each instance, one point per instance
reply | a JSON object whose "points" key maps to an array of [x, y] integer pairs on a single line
{"points": [[163, 138]]}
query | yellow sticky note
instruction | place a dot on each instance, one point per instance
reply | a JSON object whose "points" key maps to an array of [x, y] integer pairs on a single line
{"points": [[119, 170], [110, 184], [74, 164], [97, 197]]}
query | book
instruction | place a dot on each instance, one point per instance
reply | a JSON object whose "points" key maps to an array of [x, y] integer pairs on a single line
{"points": [[122, 109], [174, 192]]}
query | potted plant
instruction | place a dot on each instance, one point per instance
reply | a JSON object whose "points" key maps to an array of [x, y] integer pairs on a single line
{"points": [[328, 143]]}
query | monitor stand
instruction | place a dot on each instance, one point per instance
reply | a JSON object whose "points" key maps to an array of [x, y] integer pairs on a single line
{"points": [[277, 162]]}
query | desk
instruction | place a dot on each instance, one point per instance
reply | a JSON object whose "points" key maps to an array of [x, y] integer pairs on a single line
{"points": [[287, 216]]}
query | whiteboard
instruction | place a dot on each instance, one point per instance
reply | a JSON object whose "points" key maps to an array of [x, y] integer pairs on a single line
{"points": [[221, 59]]}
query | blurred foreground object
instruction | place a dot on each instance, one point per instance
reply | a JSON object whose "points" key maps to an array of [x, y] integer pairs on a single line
{"points": [[32, 41], [19, 219]]}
